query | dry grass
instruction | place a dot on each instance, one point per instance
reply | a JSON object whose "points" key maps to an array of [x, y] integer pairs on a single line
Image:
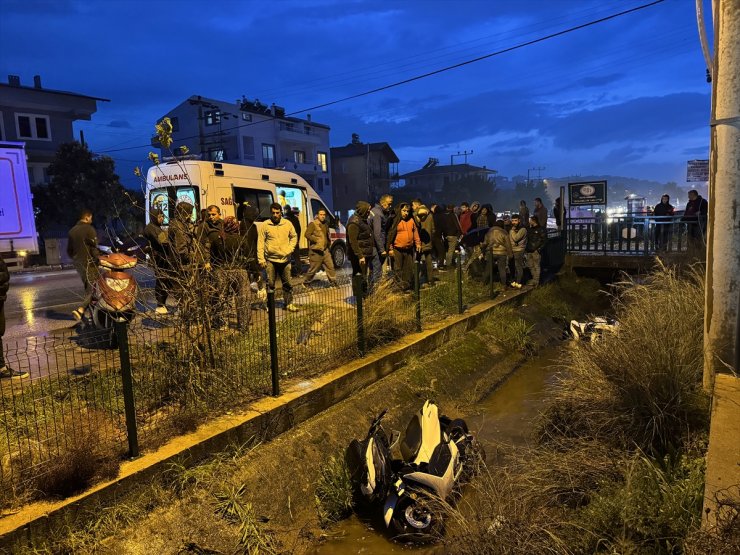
{"points": [[642, 386], [388, 314]]}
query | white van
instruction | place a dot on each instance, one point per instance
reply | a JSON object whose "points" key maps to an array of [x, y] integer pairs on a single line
{"points": [[229, 185]]}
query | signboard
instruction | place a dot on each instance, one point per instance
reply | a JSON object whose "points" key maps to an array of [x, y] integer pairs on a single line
{"points": [[697, 170], [585, 193]]}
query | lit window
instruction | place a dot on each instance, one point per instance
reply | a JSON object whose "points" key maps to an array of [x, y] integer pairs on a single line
{"points": [[31, 126], [246, 116], [321, 160], [216, 154], [212, 117], [299, 156]]}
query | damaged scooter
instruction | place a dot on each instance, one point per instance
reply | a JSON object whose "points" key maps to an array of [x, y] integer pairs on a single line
{"points": [[438, 455]]}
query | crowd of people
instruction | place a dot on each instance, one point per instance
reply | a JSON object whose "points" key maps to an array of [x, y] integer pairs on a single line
{"points": [[388, 239], [233, 257]]}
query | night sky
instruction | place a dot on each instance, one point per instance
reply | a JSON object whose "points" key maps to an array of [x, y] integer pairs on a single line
{"points": [[625, 97]]}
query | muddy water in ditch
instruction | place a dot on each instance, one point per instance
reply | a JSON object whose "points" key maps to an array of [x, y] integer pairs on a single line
{"points": [[506, 416]]}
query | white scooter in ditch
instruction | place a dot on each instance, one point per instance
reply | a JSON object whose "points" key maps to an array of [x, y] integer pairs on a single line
{"points": [[438, 455]]}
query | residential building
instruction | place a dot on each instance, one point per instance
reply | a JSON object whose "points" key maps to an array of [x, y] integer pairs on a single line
{"points": [[42, 119], [253, 134], [434, 179], [361, 171]]}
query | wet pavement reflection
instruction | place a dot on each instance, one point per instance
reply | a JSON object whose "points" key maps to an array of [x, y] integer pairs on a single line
{"points": [[40, 303]]}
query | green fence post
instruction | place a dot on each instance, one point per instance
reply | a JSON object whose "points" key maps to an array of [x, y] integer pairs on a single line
{"points": [[272, 323], [458, 276], [121, 331], [489, 265], [417, 291], [357, 289]]}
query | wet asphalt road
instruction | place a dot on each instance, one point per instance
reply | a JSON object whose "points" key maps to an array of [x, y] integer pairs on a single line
{"points": [[39, 303]]}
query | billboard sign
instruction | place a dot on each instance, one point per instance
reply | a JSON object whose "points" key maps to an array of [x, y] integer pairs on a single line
{"points": [[586, 193], [697, 170]]}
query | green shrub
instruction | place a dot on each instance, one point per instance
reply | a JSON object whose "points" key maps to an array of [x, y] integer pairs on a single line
{"points": [[508, 330], [334, 491], [548, 300], [652, 510]]}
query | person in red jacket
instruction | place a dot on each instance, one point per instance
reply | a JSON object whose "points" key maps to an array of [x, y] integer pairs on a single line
{"points": [[403, 243], [465, 217]]}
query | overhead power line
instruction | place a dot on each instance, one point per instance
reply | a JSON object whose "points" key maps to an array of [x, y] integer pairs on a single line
{"points": [[436, 71]]}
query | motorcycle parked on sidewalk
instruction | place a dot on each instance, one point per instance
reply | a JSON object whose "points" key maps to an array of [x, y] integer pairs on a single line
{"points": [[113, 298], [438, 455]]}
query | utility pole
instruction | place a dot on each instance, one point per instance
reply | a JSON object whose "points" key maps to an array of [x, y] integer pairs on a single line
{"points": [[722, 296]]}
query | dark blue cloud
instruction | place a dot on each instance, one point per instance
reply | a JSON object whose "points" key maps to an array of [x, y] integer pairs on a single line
{"points": [[696, 151], [599, 80], [641, 119]]}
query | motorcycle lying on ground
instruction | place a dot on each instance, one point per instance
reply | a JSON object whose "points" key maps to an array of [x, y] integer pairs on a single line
{"points": [[113, 299], [591, 330], [438, 455]]}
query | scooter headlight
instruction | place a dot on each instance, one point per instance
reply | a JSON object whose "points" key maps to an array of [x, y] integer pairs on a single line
{"points": [[117, 284]]}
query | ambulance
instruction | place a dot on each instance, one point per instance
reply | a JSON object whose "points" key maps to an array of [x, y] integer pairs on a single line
{"points": [[228, 186]]}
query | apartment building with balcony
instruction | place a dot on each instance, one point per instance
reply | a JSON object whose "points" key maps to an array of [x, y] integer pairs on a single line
{"points": [[253, 134], [362, 171], [42, 119]]}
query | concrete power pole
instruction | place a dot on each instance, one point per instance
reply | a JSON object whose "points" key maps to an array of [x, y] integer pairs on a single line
{"points": [[722, 300]]}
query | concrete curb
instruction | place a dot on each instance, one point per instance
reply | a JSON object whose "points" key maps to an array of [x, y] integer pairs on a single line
{"points": [[268, 417]]}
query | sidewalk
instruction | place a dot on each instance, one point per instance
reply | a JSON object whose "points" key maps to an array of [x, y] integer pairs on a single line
{"points": [[722, 482]]}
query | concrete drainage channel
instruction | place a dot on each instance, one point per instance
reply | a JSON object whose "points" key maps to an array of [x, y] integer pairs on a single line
{"points": [[267, 418]]}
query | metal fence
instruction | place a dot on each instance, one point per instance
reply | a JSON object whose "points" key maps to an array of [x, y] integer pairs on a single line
{"points": [[636, 235], [162, 375]]}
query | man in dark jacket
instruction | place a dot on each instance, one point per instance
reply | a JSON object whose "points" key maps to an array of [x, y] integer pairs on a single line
{"points": [[695, 217], [181, 237], [536, 239], [663, 223], [247, 215], [319, 241], [212, 238], [360, 242], [438, 241], [82, 248], [291, 214], [157, 250], [378, 219], [426, 235], [5, 370], [540, 212], [452, 232]]}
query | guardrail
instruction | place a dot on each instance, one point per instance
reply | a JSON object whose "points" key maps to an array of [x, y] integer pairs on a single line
{"points": [[635, 235]]}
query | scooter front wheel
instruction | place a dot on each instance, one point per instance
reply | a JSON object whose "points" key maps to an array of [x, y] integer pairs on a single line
{"points": [[415, 520]]}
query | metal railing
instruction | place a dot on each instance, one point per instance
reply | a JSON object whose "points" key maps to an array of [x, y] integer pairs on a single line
{"points": [[134, 387], [635, 235]]}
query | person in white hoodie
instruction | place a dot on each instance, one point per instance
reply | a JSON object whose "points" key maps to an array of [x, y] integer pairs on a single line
{"points": [[276, 242]]}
